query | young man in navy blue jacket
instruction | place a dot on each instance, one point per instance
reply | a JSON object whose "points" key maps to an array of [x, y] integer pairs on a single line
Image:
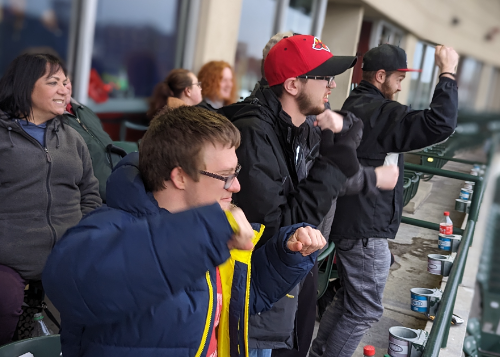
{"points": [[362, 224], [167, 269]]}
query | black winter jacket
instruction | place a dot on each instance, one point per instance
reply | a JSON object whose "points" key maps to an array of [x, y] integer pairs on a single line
{"points": [[390, 127], [270, 189], [283, 179]]}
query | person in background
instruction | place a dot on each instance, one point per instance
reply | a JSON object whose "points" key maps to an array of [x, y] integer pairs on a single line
{"points": [[181, 87], [219, 88], [99, 143], [362, 225], [46, 179], [167, 268]]}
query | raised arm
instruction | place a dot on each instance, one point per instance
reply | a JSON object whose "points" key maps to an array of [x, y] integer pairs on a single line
{"points": [[113, 264], [265, 194]]}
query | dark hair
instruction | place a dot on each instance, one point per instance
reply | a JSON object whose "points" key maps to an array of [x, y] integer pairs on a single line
{"points": [[278, 89], [369, 76], [18, 82], [175, 138], [173, 86]]}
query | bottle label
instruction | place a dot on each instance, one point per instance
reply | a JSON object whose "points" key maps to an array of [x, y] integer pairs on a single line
{"points": [[444, 243], [445, 228]]}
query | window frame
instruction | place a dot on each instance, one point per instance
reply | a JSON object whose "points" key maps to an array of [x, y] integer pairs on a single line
{"points": [[82, 43]]}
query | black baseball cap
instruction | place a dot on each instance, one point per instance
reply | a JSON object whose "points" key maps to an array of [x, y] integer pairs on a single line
{"points": [[386, 57]]}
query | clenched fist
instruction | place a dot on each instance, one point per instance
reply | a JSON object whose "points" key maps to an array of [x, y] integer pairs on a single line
{"points": [[446, 59], [306, 240], [387, 176], [330, 120], [242, 239]]}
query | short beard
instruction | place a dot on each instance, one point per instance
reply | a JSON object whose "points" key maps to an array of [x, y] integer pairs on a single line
{"points": [[387, 91], [306, 107]]}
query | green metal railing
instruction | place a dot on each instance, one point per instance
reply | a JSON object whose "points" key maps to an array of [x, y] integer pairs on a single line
{"points": [[438, 336]]}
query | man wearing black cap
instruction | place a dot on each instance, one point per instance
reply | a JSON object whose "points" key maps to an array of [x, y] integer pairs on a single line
{"points": [[300, 71], [363, 224]]}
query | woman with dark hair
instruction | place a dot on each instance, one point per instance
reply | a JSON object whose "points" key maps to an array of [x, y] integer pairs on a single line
{"points": [[181, 87], [219, 88], [46, 178]]}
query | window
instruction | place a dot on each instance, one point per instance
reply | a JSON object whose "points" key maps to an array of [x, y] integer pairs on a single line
{"points": [[134, 49], [493, 104], [422, 83], [272, 16], [299, 17], [469, 75], [251, 41], [385, 32], [34, 26]]}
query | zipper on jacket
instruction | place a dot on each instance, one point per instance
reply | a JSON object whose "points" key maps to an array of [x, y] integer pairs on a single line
{"points": [[88, 131], [209, 315], [47, 181], [49, 193]]}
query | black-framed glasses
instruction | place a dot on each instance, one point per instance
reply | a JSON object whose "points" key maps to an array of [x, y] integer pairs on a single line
{"points": [[329, 79], [227, 179], [197, 84]]}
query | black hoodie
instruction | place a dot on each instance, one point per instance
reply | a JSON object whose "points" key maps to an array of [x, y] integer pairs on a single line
{"points": [[271, 191]]}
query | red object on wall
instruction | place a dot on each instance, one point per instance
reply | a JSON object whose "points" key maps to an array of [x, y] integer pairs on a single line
{"points": [[98, 90], [363, 47]]}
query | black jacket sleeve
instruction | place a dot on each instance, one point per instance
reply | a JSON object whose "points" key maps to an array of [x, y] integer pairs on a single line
{"points": [[411, 130], [264, 197], [364, 182]]}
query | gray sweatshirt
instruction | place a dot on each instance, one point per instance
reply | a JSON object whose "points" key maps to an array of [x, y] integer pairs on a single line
{"points": [[43, 192]]}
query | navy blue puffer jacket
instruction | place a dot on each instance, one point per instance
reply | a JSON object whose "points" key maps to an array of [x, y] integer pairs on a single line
{"points": [[131, 278]]}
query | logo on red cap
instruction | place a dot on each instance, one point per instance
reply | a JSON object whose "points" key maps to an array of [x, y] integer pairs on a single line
{"points": [[319, 45]]}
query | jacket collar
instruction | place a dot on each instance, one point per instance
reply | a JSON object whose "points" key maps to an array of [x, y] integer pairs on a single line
{"points": [[366, 87], [125, 189]]}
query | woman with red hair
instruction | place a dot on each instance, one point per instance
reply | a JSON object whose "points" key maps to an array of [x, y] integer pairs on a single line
{"points": [[219, 88]]}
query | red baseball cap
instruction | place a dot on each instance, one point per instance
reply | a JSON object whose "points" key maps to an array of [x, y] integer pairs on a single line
{"points": [[303, 54]]}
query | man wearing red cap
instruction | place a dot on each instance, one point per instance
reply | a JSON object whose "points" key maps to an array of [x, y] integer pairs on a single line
{"points": [[300, 71], [363, 224]]}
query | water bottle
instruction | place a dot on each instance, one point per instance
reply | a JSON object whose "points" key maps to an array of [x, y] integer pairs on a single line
{"points": [[40, 328], [368, 351], [446, 226]]}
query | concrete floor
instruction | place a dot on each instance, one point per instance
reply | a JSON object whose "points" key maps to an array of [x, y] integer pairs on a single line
{"points": [[410, 248]]}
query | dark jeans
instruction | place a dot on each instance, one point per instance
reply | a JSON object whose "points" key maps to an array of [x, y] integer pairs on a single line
{"points": [[11, 301], [305, 316]]}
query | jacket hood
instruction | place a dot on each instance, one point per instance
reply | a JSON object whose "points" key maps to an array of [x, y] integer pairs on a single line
{"points": [[125, 189], [263, 104]]}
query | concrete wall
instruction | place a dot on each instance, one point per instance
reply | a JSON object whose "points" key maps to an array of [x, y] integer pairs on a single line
{"points": [[217, 31], [432, 20], [341, 34]]}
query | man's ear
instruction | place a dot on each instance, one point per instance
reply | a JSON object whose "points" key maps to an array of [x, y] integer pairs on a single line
{"points": [[187, 92], [178, 178], [380, 76], [291, 86]]}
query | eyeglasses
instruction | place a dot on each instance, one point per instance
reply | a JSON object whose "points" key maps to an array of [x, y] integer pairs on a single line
{"points": [[330, 79], [197, 84], [227, 179]]}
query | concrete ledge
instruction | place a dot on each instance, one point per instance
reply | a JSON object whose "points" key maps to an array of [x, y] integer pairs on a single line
{"points": [[424, 190]]}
